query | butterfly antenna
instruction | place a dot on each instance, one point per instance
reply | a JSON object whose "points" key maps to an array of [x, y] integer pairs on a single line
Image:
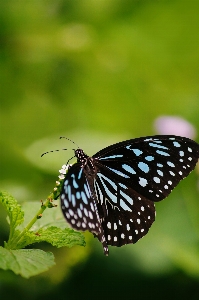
{"points": [[52, 151], [70, 159], [63, 137]]}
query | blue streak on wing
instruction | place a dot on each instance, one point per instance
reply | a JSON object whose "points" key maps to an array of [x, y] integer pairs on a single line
{"points": [[69, 192], [84, 198], [111, 156], [162, 153], [137, 152], [122, 185], [108, 192], [127, 197], [160, 172], [149, 158], [124, 206], [144, 167], [75, 185], [170, 164], [176, 144], [159, 165], [119, 173], [73, 200], [128, 169], [157, 146], [80, 173]]}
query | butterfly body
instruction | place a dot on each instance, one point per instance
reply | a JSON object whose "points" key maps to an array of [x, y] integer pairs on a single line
{"points": [[112, 193]]}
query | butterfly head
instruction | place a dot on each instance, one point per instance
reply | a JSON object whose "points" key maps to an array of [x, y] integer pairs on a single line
{"points": [[81, 156]]}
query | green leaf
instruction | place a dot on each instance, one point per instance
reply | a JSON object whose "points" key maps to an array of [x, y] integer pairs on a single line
{"points": [[13, 209], [24, 262], [60, 237], [53, 235], [51, 228]]}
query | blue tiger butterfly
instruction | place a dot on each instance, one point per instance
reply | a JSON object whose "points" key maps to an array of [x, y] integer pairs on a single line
{"points": [[112, 193]]}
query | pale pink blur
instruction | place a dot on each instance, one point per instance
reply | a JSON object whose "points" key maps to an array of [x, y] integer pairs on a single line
{"points": [[174, 125]]}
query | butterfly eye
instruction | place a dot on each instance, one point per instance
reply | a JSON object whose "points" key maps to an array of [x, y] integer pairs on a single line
{"points": [[112, 194]]}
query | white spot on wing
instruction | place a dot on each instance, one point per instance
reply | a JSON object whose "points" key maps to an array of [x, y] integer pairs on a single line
{"points": [[169, 163], [66, 203], [90, 215], [128, 227], [176, 144], [156, 179], [160, 173], [109, 225], [172, 173], [142, 181]]}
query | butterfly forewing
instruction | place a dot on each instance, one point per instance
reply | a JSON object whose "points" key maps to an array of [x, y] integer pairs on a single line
{"points": [[152, 166], [78, 203]]}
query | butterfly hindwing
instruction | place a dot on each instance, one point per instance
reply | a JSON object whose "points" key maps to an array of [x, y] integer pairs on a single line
{"points": [[126, 216], [77, 203]]}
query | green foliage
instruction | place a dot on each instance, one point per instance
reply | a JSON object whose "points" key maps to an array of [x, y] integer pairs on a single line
{"points": [[59, 237], [98, 72], [24, 231], [13, 209], [26, 262]]}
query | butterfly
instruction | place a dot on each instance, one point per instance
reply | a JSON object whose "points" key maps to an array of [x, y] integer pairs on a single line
{"points": [[112, 193]]}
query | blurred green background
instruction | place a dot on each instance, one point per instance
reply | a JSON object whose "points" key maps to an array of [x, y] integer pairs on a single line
{"points": [[98, 72]]}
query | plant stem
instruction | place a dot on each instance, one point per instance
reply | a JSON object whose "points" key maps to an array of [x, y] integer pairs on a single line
{"points": [[12, 244]]}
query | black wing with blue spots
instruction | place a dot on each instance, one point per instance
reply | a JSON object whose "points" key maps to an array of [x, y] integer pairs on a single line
{"points": [[78, 203], [152, 166], [120, 184]]}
